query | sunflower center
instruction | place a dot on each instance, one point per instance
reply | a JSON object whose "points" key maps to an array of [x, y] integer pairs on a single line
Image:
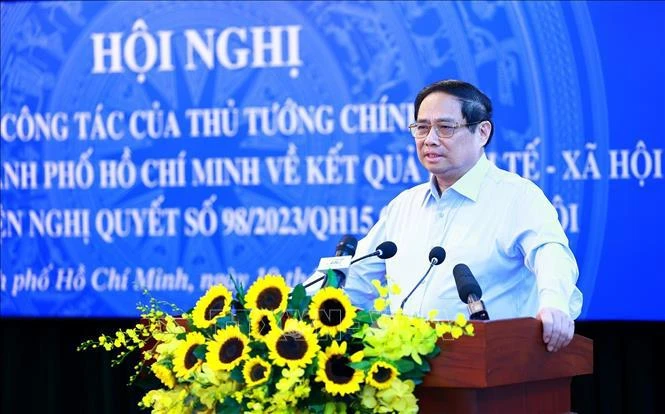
{"points": [[292, 346], [264, 326], [231, 350], [269, 298], [331, 312], [382, 374], [190, 358], [258, 372], [214, 308], [337, 369]]}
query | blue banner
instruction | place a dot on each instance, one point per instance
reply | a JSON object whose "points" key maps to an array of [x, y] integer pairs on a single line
{"points": [[167, 146]]}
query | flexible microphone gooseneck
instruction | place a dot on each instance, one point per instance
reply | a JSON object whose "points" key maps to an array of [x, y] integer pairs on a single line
{"points": [[470, 292], [385, 250], [436, 256]]}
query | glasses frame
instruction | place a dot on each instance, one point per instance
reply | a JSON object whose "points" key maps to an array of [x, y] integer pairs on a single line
{"points": [[438, 132]]}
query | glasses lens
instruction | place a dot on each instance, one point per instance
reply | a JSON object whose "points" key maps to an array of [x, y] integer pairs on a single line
{"points": [[419, 130], [445, 130]]}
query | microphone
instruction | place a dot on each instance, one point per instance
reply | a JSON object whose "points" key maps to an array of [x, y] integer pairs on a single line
{"points": [[345, 249], [346, 246], [385, 250], [470, 292], [436, 256]]}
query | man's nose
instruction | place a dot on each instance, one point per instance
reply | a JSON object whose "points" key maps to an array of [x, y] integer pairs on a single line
{"points": [[432, 138]]}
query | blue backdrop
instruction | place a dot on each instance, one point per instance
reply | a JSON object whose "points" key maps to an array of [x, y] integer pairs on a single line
{"points": [[168, 145]]}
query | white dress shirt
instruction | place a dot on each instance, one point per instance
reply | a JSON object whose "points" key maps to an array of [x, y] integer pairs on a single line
{"points": [[499, 224]]}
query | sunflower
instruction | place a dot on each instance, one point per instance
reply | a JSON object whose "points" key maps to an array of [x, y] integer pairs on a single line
{"points": [[215, 304], [331, 311], [163, 374], [334, 370], [294, 346], [256, 371], [228, 348], [184, 360], [269, 292], [262, 322], [381, 374]]}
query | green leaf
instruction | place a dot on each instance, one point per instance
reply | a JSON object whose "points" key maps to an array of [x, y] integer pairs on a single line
{"points": [[298, 294], [424, 367], [240, 291], [333, 279], [299, 301], [363, 365], [435, 352], [200, 352], [405, 365], [365, 317], [317, 408], [228, 406], [225, 321], [236, 375]]}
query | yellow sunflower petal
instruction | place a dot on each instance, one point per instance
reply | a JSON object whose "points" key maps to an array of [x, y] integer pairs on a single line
{"points": [[381, 374], [256, 371], [331, 311], [215, 304], [269, 292], [185, 362], [228, 349], [335, 373], [295, 346], [262, 322]]}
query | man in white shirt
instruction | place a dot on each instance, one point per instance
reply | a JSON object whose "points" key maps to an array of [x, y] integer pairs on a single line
{"points": [[494, 221]]}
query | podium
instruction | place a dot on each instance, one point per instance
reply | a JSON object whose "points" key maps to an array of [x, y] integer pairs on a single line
{"points": [[504, 368]]}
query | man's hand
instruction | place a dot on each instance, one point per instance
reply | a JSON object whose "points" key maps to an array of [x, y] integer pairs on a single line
{"points": [[558, 328]]}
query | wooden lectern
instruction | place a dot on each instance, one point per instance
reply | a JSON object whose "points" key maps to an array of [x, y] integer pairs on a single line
{"points": [[504, 368]]}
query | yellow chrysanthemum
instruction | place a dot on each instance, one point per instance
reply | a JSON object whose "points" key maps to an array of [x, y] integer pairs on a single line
{"points": [[395, 289], [228, 348], [269, 292], [460, 320], [381, 374], [380, 304], [166, 401], [294, 346], [442, 328], [397, 398], [331, 311], [383, 291], [398, 335], [334, 370], [163, 374], [215, 304], [262, 322], [184, 360], [256, 371]]}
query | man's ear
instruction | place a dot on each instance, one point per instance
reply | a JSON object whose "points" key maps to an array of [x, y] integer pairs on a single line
{"points": [[485, 131]]}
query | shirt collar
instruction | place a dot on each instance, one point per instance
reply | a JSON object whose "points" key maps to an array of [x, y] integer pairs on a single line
{"points": [[468, 185]]}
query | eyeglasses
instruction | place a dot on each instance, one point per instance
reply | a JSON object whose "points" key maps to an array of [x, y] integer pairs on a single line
{"points": [[420, 130]]}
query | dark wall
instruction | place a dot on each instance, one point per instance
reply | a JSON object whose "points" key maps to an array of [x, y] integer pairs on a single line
{"points": [[43, 373]]}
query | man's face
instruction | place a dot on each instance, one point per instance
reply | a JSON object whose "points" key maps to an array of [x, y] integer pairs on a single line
{"points": [[449, 158]]}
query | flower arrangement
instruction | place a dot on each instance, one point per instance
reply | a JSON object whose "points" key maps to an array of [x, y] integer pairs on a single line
{"points": [[274, 350]]}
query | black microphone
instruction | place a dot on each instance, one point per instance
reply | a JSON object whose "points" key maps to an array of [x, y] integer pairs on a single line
{"points": [[436, 256], [346, 247], [385, 250], [470, 292]]}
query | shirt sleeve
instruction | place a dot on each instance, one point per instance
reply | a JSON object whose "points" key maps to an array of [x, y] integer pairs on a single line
{"points": [[544, 245], [359, 286]]}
